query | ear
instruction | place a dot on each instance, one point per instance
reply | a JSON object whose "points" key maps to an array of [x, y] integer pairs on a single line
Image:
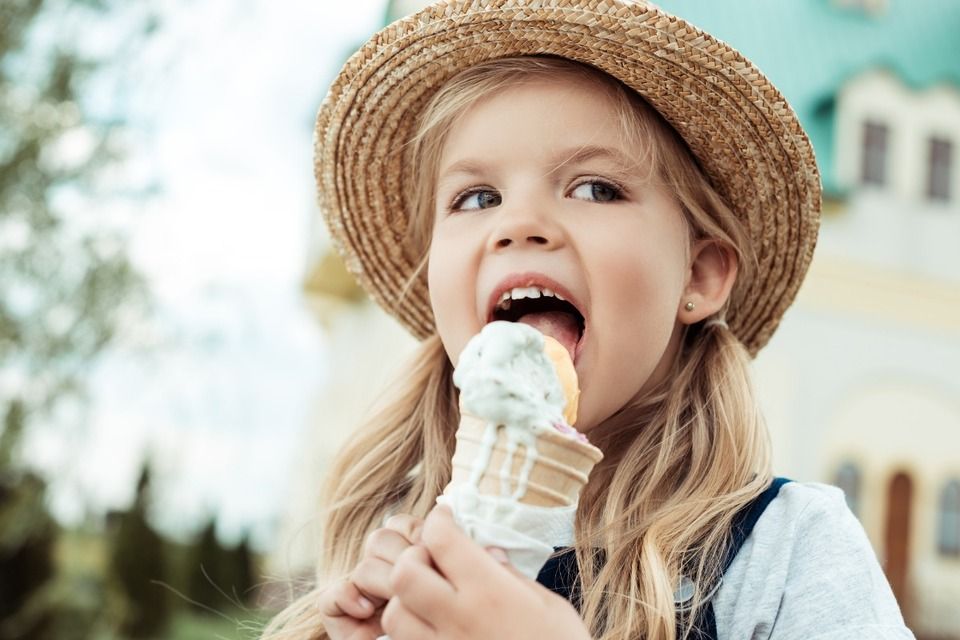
{"points": [[713, 270]]}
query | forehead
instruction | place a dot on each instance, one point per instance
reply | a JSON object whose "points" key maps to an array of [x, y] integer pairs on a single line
{"points": [[536, 116], [565, 98], [565, 106]]}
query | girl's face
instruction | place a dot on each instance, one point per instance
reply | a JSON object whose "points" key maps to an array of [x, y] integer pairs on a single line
{"points": [[535, 189]]}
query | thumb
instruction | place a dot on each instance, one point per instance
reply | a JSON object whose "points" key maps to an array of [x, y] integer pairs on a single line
{"points": [[500, 555]]}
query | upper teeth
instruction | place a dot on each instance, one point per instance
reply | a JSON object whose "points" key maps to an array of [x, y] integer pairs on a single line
{"points": [[525, 292]]}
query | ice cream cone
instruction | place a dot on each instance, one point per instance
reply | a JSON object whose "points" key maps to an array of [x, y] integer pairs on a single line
{"points": [[552, 478], [519, 464]]}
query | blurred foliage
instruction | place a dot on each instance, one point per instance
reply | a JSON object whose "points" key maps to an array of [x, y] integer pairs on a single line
{"points": [[219, 577], [27, 536], [243, 581], [66, 284], [66, 288], [203, 569], [37, 600], [67, 291], [138, 566]]}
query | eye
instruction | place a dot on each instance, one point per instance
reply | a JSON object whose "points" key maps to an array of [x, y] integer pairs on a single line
{"points": [[598, 191], [476, 199]]}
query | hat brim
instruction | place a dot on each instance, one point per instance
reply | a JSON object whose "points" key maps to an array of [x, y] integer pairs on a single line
{"points": [[743, 133]]}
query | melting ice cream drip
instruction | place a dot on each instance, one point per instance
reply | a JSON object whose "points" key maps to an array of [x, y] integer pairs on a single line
{"points": [[507, 380], [486, 452], [514, 442], [530, 459]]}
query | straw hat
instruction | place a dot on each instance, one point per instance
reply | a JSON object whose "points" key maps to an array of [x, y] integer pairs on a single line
{"points": [[744, 134]]}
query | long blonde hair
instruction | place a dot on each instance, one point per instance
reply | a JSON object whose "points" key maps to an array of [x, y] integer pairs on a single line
{"points": [[680, 461]]}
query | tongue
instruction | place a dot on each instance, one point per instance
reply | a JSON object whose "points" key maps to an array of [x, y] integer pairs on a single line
{"points": [[559, 325]]}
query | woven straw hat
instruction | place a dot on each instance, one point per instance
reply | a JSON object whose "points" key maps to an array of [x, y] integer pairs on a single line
{"points": [[744, 134]]}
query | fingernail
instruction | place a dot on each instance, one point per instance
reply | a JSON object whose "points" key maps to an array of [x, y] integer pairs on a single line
{"points": [[364, 603], [499, 555]]}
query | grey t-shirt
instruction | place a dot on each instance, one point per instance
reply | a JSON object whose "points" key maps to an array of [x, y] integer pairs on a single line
{"points": [[807, 572]]}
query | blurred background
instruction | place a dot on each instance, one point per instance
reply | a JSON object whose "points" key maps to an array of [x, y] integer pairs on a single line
{"points": [[181, 353]]}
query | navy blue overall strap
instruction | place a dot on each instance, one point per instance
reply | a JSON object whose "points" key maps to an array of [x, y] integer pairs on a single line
{"points": [[743, 524], [561, 574], [746, 520]]}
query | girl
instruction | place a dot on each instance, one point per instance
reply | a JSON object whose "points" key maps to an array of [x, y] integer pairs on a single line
{"points": [[656, 180]]}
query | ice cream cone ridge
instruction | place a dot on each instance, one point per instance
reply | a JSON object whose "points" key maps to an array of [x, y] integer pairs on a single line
{"points": [[548, 471]]}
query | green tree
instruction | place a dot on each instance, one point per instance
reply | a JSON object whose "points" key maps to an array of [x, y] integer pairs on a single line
{"points": [[207, 570], [219, 577], [235, 573], [244, 584], [66, 284], [27, 536], [139, 568]]}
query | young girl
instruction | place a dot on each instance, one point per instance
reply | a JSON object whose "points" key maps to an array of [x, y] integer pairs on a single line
{"points": [[655, 179]]}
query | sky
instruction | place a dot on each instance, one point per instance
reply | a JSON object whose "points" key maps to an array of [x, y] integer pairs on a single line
{"points": [[219, 107]]}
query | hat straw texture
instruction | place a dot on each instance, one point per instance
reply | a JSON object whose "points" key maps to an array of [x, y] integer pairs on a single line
{"points": [[743, 133]]}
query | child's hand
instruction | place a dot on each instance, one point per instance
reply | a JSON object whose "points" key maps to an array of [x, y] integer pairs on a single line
{"points": [[350, 608], [451, 588]]}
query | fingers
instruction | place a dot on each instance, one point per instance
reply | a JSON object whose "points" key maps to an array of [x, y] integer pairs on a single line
{"points": [[456, 555], [400, 623], [344, 599], [381, 550], [368, 587], [386, 544], [406, 525], [418, 585], [372, 578], [500, 556]]}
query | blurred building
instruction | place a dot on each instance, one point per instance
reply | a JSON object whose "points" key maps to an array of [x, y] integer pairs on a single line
{"points": [[859, 385]]}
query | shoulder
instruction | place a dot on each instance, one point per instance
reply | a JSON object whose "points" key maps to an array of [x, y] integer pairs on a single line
{"points": [[807, 571], [810, 507]]}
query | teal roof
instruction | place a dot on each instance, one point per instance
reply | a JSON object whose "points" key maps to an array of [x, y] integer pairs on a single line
{"points": [[809, 48]]}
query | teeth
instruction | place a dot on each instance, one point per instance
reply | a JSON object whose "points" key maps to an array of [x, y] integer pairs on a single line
{"points": [[518, 293], [525, 292]]}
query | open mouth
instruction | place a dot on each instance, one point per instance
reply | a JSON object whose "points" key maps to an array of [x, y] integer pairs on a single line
{"points": [[545, 310]]}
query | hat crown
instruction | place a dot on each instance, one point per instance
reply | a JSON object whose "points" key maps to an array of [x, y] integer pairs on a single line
{"points": [[743, 133]]}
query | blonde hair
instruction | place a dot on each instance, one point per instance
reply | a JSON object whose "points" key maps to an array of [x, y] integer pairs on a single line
{"points": [[680, 461]]}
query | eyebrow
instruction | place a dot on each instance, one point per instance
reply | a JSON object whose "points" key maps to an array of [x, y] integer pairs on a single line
{"points": [[575, 155]]}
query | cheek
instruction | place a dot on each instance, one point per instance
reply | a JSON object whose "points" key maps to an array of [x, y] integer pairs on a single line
{"points": [[450, 286], [639, 285], [635, 317]]}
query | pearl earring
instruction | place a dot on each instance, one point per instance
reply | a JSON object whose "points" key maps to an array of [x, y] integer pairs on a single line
{"points": [[689, 306]]}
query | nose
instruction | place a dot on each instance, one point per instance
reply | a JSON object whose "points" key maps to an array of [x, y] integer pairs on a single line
{"points": [[524, 226]]}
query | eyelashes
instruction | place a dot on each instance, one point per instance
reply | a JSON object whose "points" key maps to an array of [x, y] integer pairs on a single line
{"points": [[615, 193], [463, 195]]}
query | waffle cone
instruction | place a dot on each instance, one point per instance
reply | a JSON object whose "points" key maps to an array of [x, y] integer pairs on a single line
{"points": [[560, 471]]}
